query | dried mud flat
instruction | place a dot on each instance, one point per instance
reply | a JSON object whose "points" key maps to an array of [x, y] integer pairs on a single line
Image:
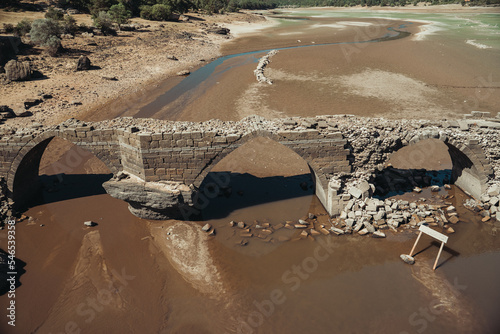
{"points": [[128, 64]]}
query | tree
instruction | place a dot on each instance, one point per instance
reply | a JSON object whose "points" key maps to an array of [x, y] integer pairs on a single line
{"points": [[119, 14], [23, 27], [46, 32], [160, 12], [54, 14], [103, 22]]}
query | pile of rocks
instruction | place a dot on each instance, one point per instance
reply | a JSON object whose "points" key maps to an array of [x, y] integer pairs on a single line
{"points": [[263, 62], [488, 205]]}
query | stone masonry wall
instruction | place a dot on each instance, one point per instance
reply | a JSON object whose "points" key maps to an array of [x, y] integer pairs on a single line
{"points": [[341, 150]]}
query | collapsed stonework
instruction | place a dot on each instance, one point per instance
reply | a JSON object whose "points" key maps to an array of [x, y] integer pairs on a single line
{"points": [[167, 161]]}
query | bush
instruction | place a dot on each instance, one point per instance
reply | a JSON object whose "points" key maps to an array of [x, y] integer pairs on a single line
{"points": [[46, 32], [23, 27], [53, 45], [54, 14], [160, 12], [145, 12], [8, 28], [119, 14], [69, 25], [103, 22], [85, 28]]}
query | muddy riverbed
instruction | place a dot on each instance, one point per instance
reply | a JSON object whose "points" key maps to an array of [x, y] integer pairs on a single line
{"points": [[133, 275]]}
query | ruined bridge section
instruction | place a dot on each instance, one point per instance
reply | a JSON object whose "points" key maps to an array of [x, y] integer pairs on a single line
{"points": [[166, 161]]}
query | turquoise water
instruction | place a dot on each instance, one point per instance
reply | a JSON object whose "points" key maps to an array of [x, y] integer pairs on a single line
{"points": [[483, 28]]}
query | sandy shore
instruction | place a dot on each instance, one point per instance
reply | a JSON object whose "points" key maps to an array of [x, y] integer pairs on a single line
{"points": [[134, 61]]}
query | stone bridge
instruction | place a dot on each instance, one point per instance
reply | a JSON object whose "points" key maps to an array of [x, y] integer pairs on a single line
{"points": [[160, 165]]}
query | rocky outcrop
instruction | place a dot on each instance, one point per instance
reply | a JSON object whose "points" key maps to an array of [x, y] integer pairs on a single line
{"points": [[83, 64], [17, 71], [152, 200], [263, 62]]}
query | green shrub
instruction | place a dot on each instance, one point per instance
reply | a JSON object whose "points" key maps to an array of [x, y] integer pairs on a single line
{"points": [[103, 22], [42, 29], [160, 12], [145, 12], [69, 25], [23, 27], [54, 14], [53, 44], [119, 14], [8, 28]]}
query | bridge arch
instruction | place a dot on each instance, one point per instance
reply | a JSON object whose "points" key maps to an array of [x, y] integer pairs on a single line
{"points": [[471, 170], [23, 176], [319, 177]]}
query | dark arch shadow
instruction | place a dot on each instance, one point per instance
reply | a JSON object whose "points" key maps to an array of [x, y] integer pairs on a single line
{"points": [[5, 269], [29, 188], [395, 181], [246, 190]]}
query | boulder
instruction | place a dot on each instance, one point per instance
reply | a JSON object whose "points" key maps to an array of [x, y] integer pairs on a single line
{"points": [[22, 112], [183, 73], [378, 234], [17, 71], [218, 30], [407, 258], [28, 103], [83, 63]]}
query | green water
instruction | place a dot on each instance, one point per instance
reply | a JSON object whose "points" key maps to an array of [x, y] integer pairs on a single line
{"points": [[481, 28]]}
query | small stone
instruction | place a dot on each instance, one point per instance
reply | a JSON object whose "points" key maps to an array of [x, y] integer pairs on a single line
{"points": [[241, 224], [450, 230], [417, 190], [407, 258], [183, 73], [232, 223], [337, 231], [378, 234], [447, 186], [300, 226], [83, 63], [206, 228], [311, 215], [434, 188], [90, 223], [314, 232], [363, 231], [451, 208], [485, 219]]}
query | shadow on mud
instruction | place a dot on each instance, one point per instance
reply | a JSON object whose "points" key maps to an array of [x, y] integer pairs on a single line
{"points": [[228, 192]]}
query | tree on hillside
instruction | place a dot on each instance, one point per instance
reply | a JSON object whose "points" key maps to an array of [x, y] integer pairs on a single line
{"points": [[119, 14], [46, 32]]}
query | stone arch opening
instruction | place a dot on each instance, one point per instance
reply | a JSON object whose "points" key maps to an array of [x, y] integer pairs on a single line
{"points": [[258, 171], [433, 161], [48, 162]]}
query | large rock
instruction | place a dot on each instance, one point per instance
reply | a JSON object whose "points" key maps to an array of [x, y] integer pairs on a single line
{"points": [[83, 64], [153, 200], [17, 71]]}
